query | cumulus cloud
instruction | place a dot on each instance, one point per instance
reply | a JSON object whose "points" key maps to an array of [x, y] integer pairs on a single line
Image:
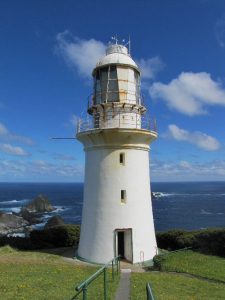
{"points": [[5, 134], [74, 119], [78, 53], [220, 31], [197, 138], [190, 93], [12, 150], [59, 156], [40, 170], [185, 170], [150, 67], [83, 55]]}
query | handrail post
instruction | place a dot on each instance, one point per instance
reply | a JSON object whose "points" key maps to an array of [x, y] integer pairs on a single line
{"points": [[84, 292], [105, 283], [113, 270]]}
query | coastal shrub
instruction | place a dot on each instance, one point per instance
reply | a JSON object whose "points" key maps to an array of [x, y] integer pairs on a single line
{"points": [[174, 239], [210, 241], [21, 243], [158, 262], [58, 236]]}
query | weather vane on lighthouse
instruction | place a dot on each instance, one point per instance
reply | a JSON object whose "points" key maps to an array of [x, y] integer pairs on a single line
{"points": [[117, 214]]}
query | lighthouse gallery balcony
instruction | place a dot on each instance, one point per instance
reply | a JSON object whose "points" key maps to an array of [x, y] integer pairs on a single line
{"points": [[118, 120]]}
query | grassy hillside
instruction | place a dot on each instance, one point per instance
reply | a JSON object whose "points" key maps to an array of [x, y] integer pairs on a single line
{"points": [[33, 275], [209, 266], [184, 275], [175, 287]]}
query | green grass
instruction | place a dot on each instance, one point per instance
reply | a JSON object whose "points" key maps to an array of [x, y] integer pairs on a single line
{"points": [[33, 275], [174, 287], [212, 267]]}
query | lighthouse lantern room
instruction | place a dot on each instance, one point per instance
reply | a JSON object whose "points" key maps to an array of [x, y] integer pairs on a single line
{"points": [[117, 214]]}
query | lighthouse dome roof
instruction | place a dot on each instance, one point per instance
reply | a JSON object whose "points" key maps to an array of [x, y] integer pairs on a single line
{"points": [[117, 54]]}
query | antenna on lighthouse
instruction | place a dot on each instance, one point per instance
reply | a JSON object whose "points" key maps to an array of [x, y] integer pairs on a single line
{"points": [[127, 44], [114, 38]]}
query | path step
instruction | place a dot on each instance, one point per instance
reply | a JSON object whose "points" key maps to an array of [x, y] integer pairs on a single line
{"points": [[123, 291]]}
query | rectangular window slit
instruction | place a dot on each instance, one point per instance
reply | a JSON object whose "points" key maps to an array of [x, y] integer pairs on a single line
{"points": [[122, 158], [123, 196]]}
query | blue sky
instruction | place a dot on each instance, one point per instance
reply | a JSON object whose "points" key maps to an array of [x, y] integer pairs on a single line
{"points": [[47, 51]]}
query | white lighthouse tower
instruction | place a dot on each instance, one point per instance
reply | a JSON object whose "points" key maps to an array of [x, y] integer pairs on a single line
{"points": [[117, 214]]}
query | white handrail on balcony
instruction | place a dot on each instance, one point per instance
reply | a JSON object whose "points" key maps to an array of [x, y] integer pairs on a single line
{"points": [[121, 121]]}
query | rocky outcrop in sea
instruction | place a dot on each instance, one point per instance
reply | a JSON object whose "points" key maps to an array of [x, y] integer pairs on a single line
{"points": [[21, 222]]}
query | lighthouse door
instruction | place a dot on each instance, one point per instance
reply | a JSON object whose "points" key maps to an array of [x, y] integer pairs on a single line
{"points": [[120, 241], [124, 244]]}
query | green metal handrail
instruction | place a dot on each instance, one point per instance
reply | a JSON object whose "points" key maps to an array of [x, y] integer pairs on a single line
{"points": [[149, 292], [82, 287]]}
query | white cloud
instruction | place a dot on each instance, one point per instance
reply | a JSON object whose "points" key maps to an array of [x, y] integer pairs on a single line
{"points": [[197, 138], [188, 171], [220, 31], [3, 130], [190, 93], [12, 150], [74, 119], [59, 156], [5, 134], [150, 67], [40, 170], [84, 54], [78, 53]]}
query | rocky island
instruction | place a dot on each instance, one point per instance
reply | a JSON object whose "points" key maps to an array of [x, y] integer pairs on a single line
{"points": [[30, 214]]}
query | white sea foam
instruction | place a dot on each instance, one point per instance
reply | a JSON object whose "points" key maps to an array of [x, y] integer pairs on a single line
{"points": [[204, 212], [15, 209], [14, 201], [17, 234], [61, 208], [39, 225], [158, 195]]}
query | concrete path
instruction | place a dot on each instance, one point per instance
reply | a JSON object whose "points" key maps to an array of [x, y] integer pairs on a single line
{"points": [[123, 291]]}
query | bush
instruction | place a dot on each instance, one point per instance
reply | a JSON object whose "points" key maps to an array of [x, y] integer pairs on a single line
{"points": [[58, 236], [158, 262], [210, 241], [174, 239], [16, 242]]}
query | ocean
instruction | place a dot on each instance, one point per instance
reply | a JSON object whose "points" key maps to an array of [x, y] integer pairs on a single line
{"points": [[183, 205]]}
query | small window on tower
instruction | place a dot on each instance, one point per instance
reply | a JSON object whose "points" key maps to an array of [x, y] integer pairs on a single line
{"points": [[123, 196], [122, 158]]}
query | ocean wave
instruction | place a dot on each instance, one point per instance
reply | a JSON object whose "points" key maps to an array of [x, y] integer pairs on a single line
{"points": [[39, 225], [160, 194], [61, 208], [46, 217], [204, 212], [14, 201], [16, 209], [10, 210]]}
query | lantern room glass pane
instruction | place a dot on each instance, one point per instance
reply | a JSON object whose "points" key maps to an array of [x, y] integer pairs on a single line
{"points": [[113, 72], [113, 95]]}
